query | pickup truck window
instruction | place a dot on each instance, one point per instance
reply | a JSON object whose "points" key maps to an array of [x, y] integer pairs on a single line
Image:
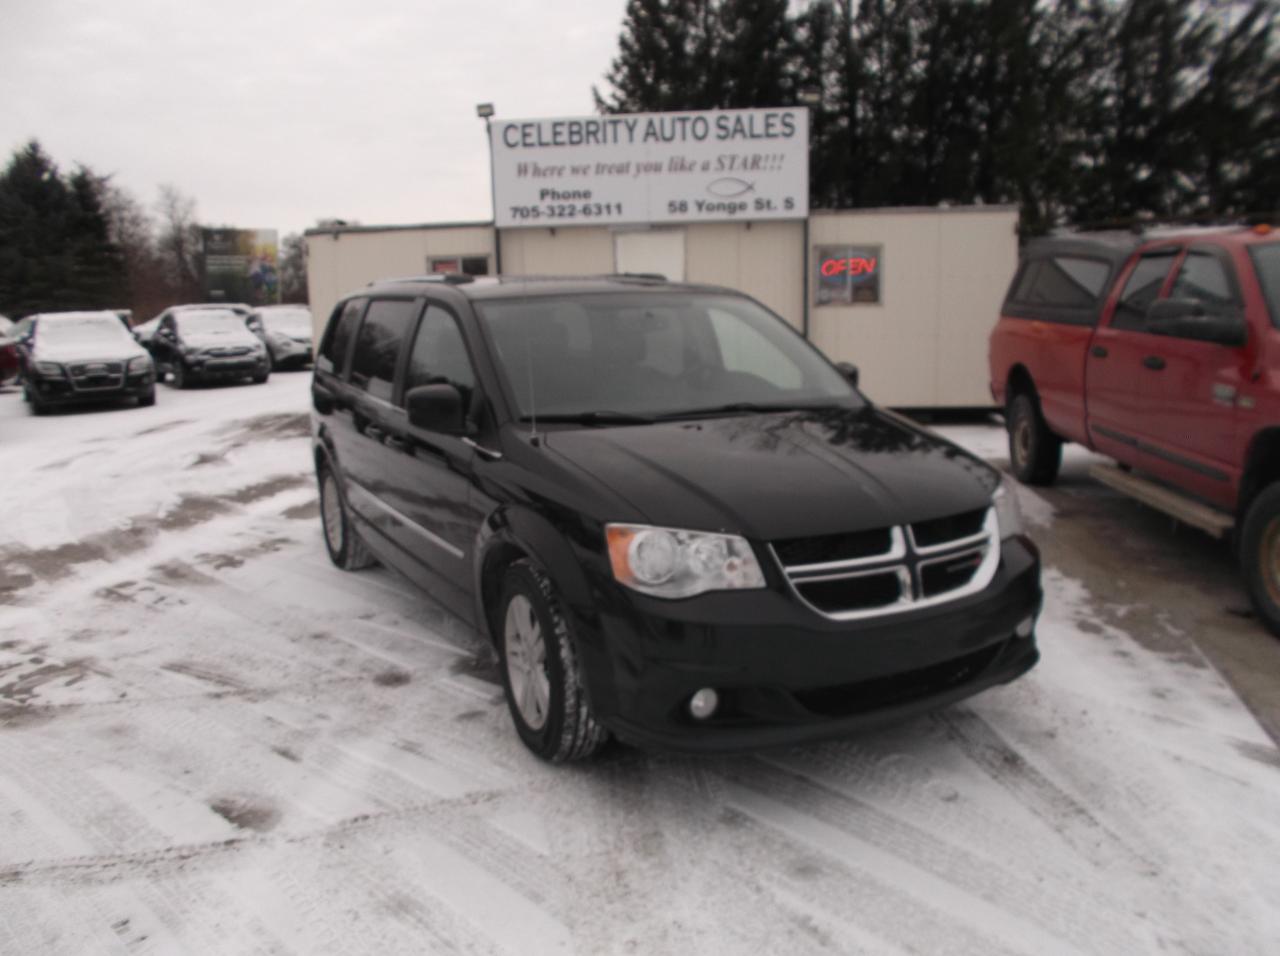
{"points": [[1143, 287], [1266, 261], [1204, 278]]}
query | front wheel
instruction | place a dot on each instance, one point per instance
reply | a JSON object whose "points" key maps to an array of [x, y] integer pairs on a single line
{"points": [[260, 377], [147, 398], [1260, 556], [343, 543], [1035, 453], [180, 377], [540, 670]]}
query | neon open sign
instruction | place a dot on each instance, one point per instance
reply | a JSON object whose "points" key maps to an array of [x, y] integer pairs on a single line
{"points": [[848, 275], [853, 266]]}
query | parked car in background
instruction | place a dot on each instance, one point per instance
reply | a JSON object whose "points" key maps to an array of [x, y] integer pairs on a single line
{"points": [[286, 331], [201, 344], [8, 351], [144, 331], [81, 357], [1165, 358], [677, 521]]}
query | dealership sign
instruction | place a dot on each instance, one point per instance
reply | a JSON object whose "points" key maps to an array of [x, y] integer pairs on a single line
{"points": [[240, 265], [707, 166]]}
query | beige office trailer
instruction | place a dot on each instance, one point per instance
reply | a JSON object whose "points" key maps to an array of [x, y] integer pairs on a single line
{"points": [[907, 295]]}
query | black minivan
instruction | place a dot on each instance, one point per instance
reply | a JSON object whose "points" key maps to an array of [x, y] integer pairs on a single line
{"points": [[678, 522]]}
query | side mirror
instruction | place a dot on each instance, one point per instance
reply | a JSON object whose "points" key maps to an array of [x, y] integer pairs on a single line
{"points": [[256, 327], [436, 408], [849, 371], [1189, 319]]}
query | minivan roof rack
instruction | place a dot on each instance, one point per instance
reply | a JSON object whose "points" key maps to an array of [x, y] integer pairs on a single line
{"points": [[451, 278], [642, 276]]}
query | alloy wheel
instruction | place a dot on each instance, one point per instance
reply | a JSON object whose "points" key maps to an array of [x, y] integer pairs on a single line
{"points": [[526, 661]]}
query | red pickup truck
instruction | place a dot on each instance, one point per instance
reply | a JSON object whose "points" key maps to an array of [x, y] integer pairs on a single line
{"points": [[1166, 358]]}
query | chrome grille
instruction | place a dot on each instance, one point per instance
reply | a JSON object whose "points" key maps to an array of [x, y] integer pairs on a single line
{"points": [[869, 574], [96, 376]]}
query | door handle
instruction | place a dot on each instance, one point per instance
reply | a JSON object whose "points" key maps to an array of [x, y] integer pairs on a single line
{"points": [[1098, 351], [1153, 362]]}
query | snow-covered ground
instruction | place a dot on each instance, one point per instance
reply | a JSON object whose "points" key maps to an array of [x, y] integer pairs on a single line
{"points": [[211, 741]]}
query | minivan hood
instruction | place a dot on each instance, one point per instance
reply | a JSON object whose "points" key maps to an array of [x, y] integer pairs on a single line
{"points": [[781, 475]]}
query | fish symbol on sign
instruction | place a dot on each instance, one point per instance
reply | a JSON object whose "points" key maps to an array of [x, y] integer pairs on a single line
{"points": [[728, 187]]}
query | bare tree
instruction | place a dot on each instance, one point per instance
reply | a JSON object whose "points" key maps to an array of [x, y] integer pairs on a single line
{"points": [[293, 269], [178, 244]]}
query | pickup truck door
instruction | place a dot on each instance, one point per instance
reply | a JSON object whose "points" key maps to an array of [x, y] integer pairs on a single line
{"points": [[1191, 386], [1117, 406]]}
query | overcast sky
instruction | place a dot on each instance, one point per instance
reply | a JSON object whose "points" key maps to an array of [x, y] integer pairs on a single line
{"points": [[275, 113]]}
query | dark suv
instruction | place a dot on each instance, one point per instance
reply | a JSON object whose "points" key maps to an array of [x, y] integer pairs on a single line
{"points": [[677, 521]]}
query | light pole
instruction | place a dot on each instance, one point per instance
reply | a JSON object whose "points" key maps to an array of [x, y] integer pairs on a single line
{"points": [[485, 112], [810, 99]]}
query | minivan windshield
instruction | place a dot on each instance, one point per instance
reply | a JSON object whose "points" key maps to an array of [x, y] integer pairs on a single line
{"points": [[629, 357]]}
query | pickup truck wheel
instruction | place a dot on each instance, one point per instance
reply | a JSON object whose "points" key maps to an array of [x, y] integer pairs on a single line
{"points": [[1035, 453], [343, 543], [1260, 556], [540, 670]]}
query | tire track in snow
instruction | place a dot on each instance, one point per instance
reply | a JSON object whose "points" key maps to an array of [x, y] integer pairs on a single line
{"points": [[1061, 812], [1074, 914]]}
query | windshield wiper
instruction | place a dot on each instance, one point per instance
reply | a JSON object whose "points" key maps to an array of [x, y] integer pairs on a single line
{"points": [[594, 418], [734, 407]]}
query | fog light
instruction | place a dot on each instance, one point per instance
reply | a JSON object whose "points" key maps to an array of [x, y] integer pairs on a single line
{"points": [[704, 703], [1025, 627]]}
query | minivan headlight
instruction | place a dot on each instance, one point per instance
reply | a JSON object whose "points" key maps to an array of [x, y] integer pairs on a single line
{"points": [[1008, 512], [670, 563]]}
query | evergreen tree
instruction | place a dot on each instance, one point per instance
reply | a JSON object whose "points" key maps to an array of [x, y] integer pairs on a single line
{"points": [[55, 249]]}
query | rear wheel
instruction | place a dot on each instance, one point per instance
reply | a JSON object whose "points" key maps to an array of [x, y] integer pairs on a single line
{"points": [[1260, 556], [343, 543], [540, 670], [1035, 453]]}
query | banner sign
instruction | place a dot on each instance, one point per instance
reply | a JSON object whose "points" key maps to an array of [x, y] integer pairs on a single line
{"points": [[241, 265], [849, 275], [706, 166]]}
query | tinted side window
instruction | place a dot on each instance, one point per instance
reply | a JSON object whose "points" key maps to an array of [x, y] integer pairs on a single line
{"points": [[439, 355], [385, 327], [342, 330], [1203, 278], [1063, 281], [1141, 289]]}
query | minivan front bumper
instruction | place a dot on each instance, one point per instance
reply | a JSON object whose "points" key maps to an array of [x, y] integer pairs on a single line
{"points": [[785, 674]]}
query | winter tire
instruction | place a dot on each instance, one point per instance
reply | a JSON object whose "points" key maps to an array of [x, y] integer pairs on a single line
{"points": [[1260, 556], [540, 669], [343, 543], [1035, 453]]}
